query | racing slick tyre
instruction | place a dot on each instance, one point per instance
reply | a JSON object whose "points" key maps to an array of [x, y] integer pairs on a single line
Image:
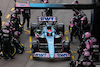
{"points": [[66, 47], [34, 46], [33, 27], [60, 28]]}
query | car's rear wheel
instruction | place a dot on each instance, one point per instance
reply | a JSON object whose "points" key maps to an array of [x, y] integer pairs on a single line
{"points": [[35, 46]]}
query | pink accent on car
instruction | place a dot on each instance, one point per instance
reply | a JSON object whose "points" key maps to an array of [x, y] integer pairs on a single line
{"points": [[48, 56], [22, 5], [54, 18]]}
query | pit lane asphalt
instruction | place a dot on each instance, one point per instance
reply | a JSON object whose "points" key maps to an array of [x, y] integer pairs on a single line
{"points": [[23, 60]]}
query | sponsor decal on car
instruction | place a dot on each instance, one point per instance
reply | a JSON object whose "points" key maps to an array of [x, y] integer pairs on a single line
{"points": [[61, 55], [47, 19], [40, 55], [22, 5]]}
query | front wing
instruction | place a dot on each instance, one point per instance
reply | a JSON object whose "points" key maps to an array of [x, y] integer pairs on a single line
{"points": [[46, 55]]}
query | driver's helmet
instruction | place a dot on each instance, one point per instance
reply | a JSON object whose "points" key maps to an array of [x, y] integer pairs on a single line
{"points": [[39, 31], [84, 20], [86, 35], [49, 33], [86, 54], [5, 33], [72, 24], [93, 39], [7, 24], [75, 2], [45, 1]]}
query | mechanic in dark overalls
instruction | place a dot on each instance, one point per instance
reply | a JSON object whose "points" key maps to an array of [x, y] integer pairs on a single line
{"points": [[0, 29], [26, 16], [6, 44], [86, 62], [48, 12], [0, 19], [16, 20], [85, 24], [75, 11], [75, 29]]}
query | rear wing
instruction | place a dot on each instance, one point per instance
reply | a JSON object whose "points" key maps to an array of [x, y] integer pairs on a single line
{"points": [[54, 6], [50, 19]]}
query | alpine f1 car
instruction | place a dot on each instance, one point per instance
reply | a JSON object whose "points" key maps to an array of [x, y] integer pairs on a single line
{"points": [[49, 43]]}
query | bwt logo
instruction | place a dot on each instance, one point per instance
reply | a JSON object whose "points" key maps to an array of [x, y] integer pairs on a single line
{"points": [[62, 55], [47, 19], [22, 5], [40, 55]]}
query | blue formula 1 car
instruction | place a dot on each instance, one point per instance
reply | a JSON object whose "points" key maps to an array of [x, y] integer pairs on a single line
{"points": [[49, 43]]}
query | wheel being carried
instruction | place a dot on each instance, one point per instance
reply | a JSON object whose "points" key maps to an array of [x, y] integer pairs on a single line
{"points": [[49, 43]]}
